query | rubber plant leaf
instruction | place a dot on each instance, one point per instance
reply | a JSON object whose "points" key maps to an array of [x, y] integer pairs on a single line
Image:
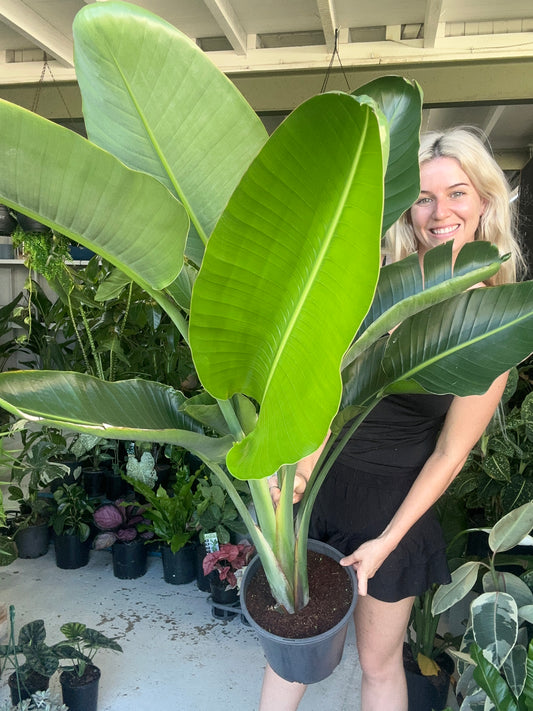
{"points": [[113, 410], [400, 100], [59, 178], [156, 101], [288, 276]]}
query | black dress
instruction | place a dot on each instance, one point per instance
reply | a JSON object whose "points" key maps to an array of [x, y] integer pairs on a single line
{"points": [[370, 480]]}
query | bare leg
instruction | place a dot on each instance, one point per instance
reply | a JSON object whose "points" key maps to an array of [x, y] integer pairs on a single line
{"points": [[380, 629], [278, 694]]}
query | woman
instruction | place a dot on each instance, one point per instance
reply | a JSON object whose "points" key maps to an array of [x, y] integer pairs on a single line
{"points": [[376, 503]]}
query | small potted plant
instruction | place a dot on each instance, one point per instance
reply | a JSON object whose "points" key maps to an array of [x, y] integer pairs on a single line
{"points": [[168, 519], [40, 660], [80, 678], [225, 568], [119, 525], [71, 518], [93, 453]]}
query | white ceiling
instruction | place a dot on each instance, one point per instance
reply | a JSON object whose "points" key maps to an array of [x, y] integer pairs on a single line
{"points": [[473, 58]]}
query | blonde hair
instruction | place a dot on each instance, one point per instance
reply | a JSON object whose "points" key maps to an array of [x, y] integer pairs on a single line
{"points": [[497, 222]]}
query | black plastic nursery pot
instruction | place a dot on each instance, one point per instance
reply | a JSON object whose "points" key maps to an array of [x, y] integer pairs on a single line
{"points": [[221, 594], [129, 559], [202, 581], [311, 659], [179, 568], [70, 552], [24, 688], [80, 694], [32, 541], [93, 481]]}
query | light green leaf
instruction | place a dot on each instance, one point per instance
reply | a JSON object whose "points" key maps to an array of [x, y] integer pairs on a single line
{"points": [[113, 410], [156, 101], [127, 217], [515, 669], [304, 245]]}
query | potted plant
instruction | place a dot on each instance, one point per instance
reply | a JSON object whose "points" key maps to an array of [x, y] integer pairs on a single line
{"points": [[92, 453], [71, 518], [215, 517], [495, 657], [225, 567], [119, 523], [274, 222], [40, 660], [167, 518], [80, 679]]}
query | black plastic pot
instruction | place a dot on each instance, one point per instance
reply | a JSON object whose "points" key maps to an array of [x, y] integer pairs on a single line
{"points": [[115, 486], [129, 559], [93, 481], [427, 693], [202, 581], [224, 597], [306, 660], [32, 541], [179, 568], [70, 552], [80, 694], [8, 223], [33, 682]]}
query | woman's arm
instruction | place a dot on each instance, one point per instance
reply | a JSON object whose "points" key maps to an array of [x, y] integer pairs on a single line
{"points": [[465, 422]]}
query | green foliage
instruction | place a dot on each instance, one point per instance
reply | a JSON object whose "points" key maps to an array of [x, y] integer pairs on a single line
{"points": [[214, 511], [168, 514], [498, 474], [497, 645], [73, 511], [81, 645]]}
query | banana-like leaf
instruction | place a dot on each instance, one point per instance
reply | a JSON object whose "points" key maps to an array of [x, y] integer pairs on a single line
{"points": [[129, 409], [290, 271], [512, 528], [64, 181], [495, 625], [402, 291], [156, 101], [400, 100]]}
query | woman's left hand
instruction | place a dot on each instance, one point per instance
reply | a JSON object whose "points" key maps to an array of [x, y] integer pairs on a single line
{"points": [[366, 560]]}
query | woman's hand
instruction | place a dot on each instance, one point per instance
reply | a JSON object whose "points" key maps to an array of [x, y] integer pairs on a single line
{"points": [[300, 482], [366, 560]]}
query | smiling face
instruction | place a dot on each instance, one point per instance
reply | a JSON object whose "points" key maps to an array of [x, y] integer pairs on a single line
{"points": [[448, 208]]}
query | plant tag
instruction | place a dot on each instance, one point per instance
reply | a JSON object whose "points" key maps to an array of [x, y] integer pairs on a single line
{"points": [[211, 542]]}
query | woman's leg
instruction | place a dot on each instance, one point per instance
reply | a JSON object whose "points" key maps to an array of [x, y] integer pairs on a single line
{"points": [[380, 631], [278, 694]]}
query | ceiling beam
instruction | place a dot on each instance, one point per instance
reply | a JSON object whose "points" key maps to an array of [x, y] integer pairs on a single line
{"points": [[432, 21], [229, 23], [493, 116], [326, 9], [35, 28]]}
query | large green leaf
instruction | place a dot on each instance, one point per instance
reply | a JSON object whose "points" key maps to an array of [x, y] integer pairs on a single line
{"points": [[403, 291], [492, 328], [289, 274], [129, 409], [401, 103], [61, 179], [155, 100]]}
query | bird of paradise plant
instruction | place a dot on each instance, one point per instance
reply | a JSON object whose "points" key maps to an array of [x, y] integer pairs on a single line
{"points": [[179, 184]]}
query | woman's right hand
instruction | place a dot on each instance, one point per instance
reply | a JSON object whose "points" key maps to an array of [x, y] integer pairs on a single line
{"points": [[300, 482]]}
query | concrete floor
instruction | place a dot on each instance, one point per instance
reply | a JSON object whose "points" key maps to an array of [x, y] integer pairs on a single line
{"points": [[176, 655]]}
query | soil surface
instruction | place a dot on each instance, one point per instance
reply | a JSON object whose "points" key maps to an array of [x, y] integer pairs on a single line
{"points": [[70, 678], [330, 596]]}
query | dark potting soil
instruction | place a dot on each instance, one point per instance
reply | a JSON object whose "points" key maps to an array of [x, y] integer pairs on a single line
{"points": [[330, 596], [90, 674]]}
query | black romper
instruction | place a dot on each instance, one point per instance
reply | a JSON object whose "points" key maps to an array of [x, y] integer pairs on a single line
{"points": [[369, 481]]}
